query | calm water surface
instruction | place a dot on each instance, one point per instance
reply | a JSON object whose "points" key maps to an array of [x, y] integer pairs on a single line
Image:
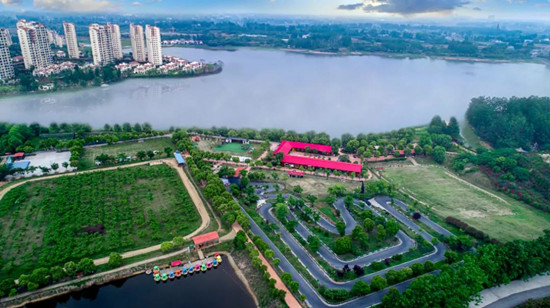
{"points": [[277, 89], [216, 288]]}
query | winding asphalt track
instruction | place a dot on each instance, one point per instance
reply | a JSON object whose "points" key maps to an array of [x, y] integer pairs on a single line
{"points": [[518, 298], [313, 298]]}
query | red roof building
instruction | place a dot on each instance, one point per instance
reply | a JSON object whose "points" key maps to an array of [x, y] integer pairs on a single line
{"points": [[206, 239], [299, 173], [18, 155], [287, 146]]}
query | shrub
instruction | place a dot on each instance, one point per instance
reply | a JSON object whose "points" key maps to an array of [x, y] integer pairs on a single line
{"points": [[115, 260]]}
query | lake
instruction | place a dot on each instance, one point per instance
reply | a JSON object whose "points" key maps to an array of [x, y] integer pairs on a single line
{"points": [[218, 287], [277, 89]]}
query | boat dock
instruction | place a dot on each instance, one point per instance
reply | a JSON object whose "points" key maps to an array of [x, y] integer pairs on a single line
{"points": [[178, 268]]}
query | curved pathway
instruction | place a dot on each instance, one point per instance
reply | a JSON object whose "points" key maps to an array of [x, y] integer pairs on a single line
{"points": [[197, 201], [314, 269], [514, 293]]}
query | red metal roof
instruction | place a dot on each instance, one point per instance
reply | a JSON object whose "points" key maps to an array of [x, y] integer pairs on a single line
{"points": [[286, 146], [207, 237], [319, 163], [292, 172], [238, 172], [19, 154]]}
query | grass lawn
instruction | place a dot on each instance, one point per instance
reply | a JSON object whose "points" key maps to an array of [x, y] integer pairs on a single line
{"points": [[314, 185], [470, 137], [130, 149], [230, 147], [49, 222], [499, 216], [328, 211]]}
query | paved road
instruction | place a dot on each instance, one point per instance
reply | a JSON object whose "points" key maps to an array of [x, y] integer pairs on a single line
{"points": [[439, 229], [518, 298], [308, 261]]}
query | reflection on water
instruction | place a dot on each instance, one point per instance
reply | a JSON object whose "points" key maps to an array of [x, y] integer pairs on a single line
{"points": [[284, 90]]}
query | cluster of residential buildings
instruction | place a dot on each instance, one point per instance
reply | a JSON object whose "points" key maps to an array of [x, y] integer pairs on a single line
{"points": [[171, 64], [105, 40], [181, 42], [54, 69]]}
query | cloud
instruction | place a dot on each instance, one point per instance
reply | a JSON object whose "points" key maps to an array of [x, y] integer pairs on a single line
{"points": [[11, 2], [476, 9], [136, 3], [77, 6], [351, 7], [406, 7]]}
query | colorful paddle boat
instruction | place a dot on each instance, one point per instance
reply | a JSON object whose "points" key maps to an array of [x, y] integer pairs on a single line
{"points": [[197, 268], [215, 262], [155, 270], [184, 271], [171, 275], [219, 259], [203, 267], [148, 271], [191, 269], [209, 264], [164, 277], [156, 277], [178, 273]]}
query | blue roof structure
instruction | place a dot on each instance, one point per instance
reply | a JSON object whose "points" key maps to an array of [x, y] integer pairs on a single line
{"points": [[24, 164], [179, 158]]}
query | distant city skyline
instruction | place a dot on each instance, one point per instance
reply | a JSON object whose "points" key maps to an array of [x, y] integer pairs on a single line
{"points": [[535, 10]]}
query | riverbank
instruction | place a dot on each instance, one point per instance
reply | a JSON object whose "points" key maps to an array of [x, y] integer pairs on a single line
{"points": [[104, 278], [74, 88]]}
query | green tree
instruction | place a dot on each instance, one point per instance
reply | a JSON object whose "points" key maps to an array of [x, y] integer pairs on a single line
{"points": [[343, 245], [281, 211], [178, 241], [298, 189], [438, 154], [86, 265], [240, 240], [368, 224], [341, 227], [392, 227], [166, 246], [380, 232], [360, 288], [141, 155], [378, 283], [314, 242], [115, 260], [57, 273], [70, 268]]}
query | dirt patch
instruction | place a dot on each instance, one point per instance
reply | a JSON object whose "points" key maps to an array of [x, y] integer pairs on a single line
{"points": [[92, 229]]}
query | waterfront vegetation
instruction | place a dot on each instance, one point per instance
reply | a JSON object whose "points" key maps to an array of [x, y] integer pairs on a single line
{"points": [[49, 222], [494, 213], [117, 153]]}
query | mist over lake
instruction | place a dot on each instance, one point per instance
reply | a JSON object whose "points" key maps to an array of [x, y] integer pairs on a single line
{"points": [[277, 89]]}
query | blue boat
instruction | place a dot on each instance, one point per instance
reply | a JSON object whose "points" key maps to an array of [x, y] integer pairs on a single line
{"points": [[171, 275], [184, 270]]}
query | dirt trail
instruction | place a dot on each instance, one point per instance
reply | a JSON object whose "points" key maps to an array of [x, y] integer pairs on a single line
{"points": [[205, 218], [475, 187], [198, 204]]}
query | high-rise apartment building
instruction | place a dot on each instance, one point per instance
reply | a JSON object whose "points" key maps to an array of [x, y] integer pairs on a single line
{"points": [[115, 38], [7, 34], [138, 43], [106, 45], [35, 46], [6, 67], [70, 38], [154, 49]]}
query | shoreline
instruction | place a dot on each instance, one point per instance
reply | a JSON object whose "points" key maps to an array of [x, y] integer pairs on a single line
{"points": [[216, 71], [100, 279], [375, 54]]}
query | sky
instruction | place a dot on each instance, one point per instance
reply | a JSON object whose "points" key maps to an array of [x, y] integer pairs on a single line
{"points": [[380, 9]]}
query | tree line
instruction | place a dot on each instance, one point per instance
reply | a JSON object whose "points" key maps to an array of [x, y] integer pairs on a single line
{"points": [[512, 122]]}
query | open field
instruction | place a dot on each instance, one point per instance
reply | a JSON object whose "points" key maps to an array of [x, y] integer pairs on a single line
{"points": [[496, 214], [49, 222], [231, 147], [314, 185], [130, 149]]}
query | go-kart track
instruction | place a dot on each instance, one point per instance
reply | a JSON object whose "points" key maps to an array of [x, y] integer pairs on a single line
{"points": [[383, 203]]}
